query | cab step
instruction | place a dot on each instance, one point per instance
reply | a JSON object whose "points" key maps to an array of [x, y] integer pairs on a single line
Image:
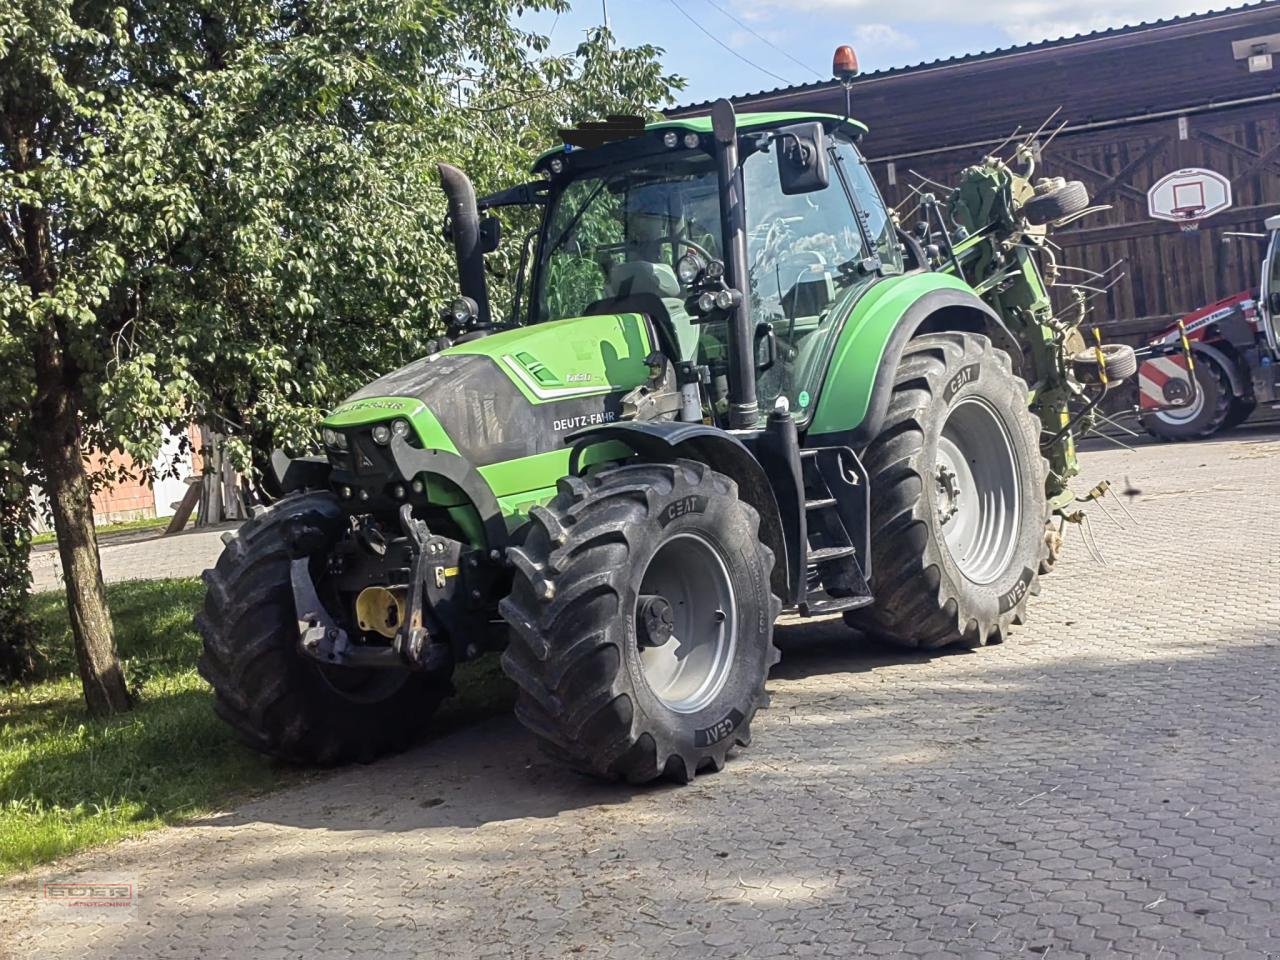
{"points": [[826, 554], [821, 605], [837, 512]]}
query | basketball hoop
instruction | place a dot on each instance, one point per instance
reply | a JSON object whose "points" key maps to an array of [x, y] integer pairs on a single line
{"points": [[1188, 197], [1189, 217]]}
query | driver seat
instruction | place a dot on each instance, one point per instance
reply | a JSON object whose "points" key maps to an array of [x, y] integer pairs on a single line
{"points": [[635, 284], [641, 276]]}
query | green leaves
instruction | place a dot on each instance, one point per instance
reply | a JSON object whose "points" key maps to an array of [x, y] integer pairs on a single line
{"points": [[240, 200]]}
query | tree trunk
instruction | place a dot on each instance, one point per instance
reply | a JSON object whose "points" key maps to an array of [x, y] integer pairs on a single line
{"points": [[69, 492], [56, 422]]}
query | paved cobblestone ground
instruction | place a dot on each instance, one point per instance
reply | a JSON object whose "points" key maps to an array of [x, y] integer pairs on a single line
{"points": [[144, 555], [1103, 785]]}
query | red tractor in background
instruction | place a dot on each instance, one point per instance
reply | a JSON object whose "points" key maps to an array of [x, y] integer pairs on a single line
{"points": [[1228, 364]]}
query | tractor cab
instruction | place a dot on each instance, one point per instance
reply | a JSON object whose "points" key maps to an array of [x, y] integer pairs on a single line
{"points": [[638, 225]]}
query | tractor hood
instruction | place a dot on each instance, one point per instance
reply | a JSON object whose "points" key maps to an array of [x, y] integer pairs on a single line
{"points": [[512, 394]]}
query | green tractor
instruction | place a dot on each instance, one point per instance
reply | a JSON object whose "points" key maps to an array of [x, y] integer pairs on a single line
{"points": [[736, 387]]}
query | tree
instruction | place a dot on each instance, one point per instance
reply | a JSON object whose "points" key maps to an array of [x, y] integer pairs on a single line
{"points": [[228, 213], [319, 260]]}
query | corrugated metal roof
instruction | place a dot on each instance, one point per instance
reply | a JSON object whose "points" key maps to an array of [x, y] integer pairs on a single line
{"points": [[998, 52]]}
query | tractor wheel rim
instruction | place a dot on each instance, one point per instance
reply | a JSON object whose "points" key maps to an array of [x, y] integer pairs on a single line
{"points": [[688, 671], [1181, 415], [978, 496]]}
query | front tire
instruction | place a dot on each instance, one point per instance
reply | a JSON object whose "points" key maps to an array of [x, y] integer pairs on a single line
{"points": [[277, 700], [958, 504], [641, 622]]}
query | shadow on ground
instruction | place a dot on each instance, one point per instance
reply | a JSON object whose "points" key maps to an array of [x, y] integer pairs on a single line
{"points": [[1075, 711]]}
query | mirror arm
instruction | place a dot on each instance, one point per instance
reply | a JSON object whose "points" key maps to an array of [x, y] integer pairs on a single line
{"points": [[518, 299], [533, 193]]}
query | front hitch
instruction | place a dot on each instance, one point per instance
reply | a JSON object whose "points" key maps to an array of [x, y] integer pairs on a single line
{"points": [[413, 642], [320, 636], [447, 613]]}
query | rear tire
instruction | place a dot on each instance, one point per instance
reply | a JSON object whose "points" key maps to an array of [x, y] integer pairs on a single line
{"points": [[277, 700], [1205, 417], [594, 687], [957, 429]]}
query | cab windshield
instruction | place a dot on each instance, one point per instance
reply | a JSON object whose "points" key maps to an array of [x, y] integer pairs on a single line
{"points": [[618, 234]]}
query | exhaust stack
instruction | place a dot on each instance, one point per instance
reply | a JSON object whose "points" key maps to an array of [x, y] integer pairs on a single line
{"points": [[464, 223]]}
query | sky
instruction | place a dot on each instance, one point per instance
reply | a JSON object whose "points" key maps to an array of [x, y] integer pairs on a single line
{"points": [[773, 43]]}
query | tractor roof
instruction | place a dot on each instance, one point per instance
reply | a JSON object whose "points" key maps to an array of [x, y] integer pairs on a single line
{"points": [[746, 121]]}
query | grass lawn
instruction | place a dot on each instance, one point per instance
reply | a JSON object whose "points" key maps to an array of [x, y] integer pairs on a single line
{"points": [[69, 782]]}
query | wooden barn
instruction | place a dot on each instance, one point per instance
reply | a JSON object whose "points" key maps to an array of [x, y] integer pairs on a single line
{"points": [[1139, 103]]}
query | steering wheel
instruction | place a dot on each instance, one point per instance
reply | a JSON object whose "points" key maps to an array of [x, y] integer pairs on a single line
{"points": [[692, 245], [612, 249]]}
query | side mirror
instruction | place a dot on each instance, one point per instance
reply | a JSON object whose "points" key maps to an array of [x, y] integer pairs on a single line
{"points": [[802, 158], [490, 233], [766, 347]]}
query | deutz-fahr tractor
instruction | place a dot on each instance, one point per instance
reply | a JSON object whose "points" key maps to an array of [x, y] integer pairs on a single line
{"points": [[735, 387]]}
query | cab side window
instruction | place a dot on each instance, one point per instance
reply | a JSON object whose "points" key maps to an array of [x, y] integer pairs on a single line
{"points": [[871, 206]]}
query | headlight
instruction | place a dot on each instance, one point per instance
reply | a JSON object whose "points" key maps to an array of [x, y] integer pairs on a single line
{"points": [[463, 310], [691, 141], [334, 438], [727, 299], [556, 165], [381, 434], [400, 428], [688, 269], [671, 139], [706, 301]]}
